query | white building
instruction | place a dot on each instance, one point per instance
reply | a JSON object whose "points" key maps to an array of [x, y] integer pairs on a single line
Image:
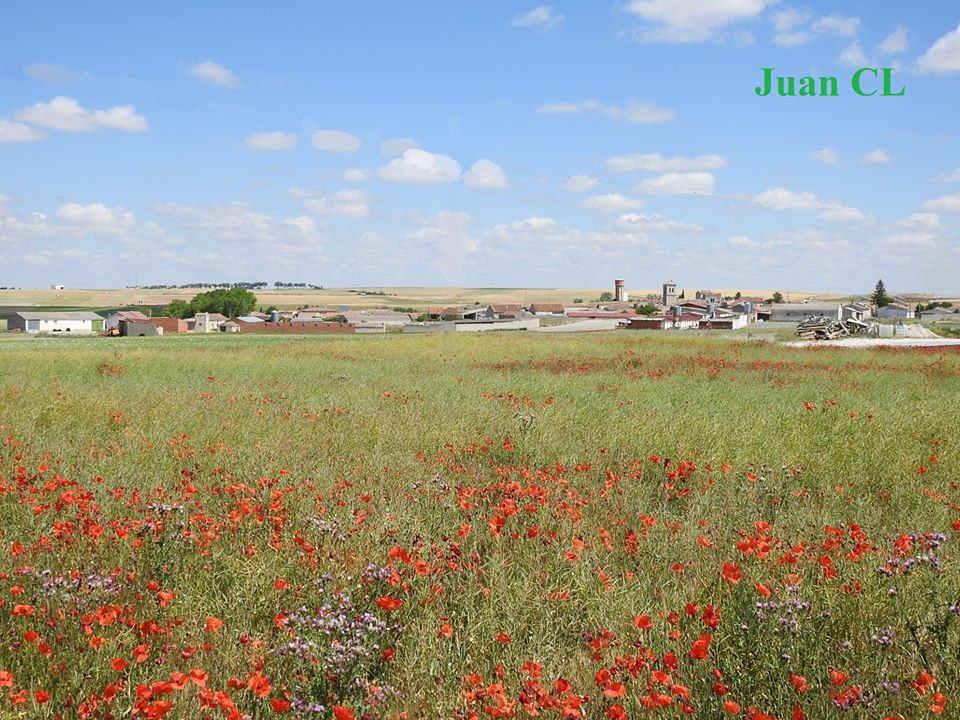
{"points": [[895, 310], [74, 323], [208, 322], [798, 312]]}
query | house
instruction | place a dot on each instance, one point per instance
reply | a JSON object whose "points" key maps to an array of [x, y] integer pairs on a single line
{"points": [[731, 321], [798, 312], [856, 311], [546, 309], [375, 317], [673, 321], [939, 314], [75, 323], [603, 314], [314, 313], [895, 310], [508, 311], [230, 326], [708, 295], [208, 322], [113, 320]]}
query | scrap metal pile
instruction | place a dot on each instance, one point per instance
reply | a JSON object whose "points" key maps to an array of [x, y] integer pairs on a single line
{"points": [[826, 328]]}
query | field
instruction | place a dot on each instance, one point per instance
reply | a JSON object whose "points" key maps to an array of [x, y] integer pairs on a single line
{"points": [[417, 297], [446, 526]]}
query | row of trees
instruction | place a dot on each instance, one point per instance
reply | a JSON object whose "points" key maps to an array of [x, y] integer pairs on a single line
{"points": [[232, 303], [260, 284]]}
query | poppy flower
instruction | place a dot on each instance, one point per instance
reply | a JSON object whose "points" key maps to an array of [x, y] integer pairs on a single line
{"points": [[279, 705], [701, 647], [342, 713], [213, 624], [119, 664], [388, 604], [41, 696], [259, 684]]}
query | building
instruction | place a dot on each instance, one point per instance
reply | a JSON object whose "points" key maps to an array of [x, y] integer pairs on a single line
{"points": [[547, 309], [669, 296], [856, 311], [619, 293], [798, 312], [508, 311], [315, 313], [208, 322], [74, 323], [376, 317], [113, 320], [136, 328], [169, 324], [733, 321], [709, 295], [895, 311]]}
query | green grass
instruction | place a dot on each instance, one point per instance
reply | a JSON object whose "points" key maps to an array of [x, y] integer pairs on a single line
{"points": [[215, 465]]}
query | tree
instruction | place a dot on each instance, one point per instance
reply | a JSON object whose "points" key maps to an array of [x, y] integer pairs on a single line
{"points": [[647, 309], [879, 296], [179, 309], [778, 297], [737, 296], [577, 301], [606, 297]]}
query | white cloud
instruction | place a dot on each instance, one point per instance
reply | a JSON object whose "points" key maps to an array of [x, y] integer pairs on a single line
{"points": [[485, 174], [853, 56], [53, 74], [692, 20], [876, 157], [792, 39], [655, 162], [336, 141], [611, 203], [302, 224], [238, 222], [836, 25], [421, 166], [927, 222], [271, 141], [394, 147], [580, 183], [214, 74], [826, 156], [943, 55], [895, 42], [675, 183], [949, 177], [64, 113], [633, 112], [789, 19], [443, 241], [742, 240], [912, 239], [640, 223], [18, 132], [96, 215], [5, 199], [541, 18], [947, 203], [357, 174], [784, 199], [841, 213], [346, 203]]}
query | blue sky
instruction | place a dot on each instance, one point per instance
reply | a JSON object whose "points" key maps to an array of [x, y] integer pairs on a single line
{"points": [[478, 144]]}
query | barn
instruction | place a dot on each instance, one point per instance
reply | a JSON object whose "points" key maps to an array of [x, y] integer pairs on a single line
{"points": [[74, 323]]}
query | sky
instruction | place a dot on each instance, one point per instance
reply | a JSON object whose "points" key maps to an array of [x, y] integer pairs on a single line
{"points": [[494, 144]]}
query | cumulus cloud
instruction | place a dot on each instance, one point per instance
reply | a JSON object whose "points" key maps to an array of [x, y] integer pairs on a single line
{"points": [[53, 74], [837, 25], [895, 42], [929, 222], [633, 112], [852, 56], [947, 203], [65, 113], [784, 199], [96, 215], [357, 174], [18, 132], [213, 73], [655, 162], [842, 213], [611, 203], [876, 157], [676, 183], [271, 141], [421, 166], [335, 141], [541, 18], [786, 24], [346, 203], [691, 20], [444, 242], [485, 174], [394, 147], [826, 156], [233, 222], [638, 222], [580, 183], [943, 56]]}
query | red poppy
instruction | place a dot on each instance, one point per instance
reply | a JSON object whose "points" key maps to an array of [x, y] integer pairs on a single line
{"points": [[279, 705], [389, 604], [119, 664], [342, 713]]}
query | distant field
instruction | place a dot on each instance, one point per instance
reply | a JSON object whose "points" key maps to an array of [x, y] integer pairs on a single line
{"points": [[623, 525], [395, 296]]}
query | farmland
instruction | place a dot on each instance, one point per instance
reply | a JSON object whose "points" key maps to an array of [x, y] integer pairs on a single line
{"points": [[610, 526]]}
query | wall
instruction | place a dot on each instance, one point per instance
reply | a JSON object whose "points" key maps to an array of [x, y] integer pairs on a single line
{"points": [[295, 328], [491, 326], [169, 325]]}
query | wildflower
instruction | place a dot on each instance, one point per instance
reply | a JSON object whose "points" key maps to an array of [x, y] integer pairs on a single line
{"points": [[279, 705], [342, 713], [213, 624], [389, 604], [119, 664]]}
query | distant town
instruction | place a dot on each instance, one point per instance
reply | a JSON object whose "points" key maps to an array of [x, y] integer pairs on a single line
{"points": [[230, 310]]}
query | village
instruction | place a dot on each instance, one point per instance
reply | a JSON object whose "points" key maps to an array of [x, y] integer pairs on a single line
{"points": [[707, 310]]}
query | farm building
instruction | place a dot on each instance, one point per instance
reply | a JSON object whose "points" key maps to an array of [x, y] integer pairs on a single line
{"points": [[135, 328], [856, 311], [798, 312], [895, 310], [547, 309], [508, 311], [113, 320], [75, 323], [169, 325], [208, 322]]}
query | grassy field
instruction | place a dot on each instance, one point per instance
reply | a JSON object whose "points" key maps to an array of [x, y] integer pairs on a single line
{"points": [[418, 297], [446, 526]]}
